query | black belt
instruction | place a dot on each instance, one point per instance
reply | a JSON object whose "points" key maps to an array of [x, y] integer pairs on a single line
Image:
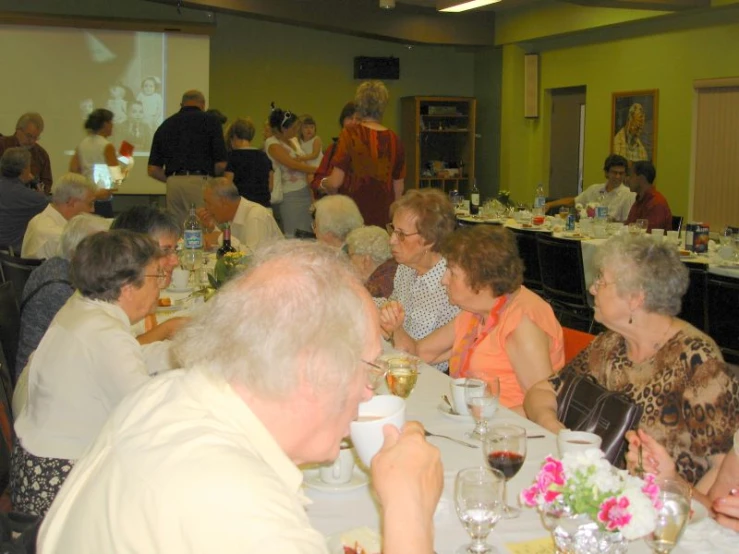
{"points": [[188, 172]]}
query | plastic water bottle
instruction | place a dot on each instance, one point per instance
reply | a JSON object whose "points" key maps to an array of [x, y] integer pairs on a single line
{"points": [[540, 198], [193, 241]]}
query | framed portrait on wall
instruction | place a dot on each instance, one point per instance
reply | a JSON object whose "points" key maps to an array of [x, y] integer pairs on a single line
{"points": [[634, 125]]}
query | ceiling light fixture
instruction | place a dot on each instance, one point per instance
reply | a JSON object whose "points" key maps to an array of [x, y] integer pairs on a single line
{"points": [[462, 5], [387, 4]]}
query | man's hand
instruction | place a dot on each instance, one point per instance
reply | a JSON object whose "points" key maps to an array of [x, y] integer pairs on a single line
{"points": [[206, 218]]}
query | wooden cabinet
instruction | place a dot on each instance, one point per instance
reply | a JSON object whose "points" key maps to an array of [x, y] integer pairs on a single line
{"points": [[438, 134]]}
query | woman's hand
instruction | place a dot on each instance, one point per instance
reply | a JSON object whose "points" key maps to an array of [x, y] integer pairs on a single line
{"points": [[727, 510], [392, 316], [654, 457]]}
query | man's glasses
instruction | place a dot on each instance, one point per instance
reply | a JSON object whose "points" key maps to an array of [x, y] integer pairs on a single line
{"points": [[376, 373], [161, 277], [402, 235]]}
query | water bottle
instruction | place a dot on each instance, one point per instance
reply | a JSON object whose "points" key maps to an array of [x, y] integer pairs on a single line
{"points": [[540, 198], [193, 241]]}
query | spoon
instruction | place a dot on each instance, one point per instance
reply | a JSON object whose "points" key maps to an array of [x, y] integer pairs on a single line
{"points": [[452, 411], [463, 443]]}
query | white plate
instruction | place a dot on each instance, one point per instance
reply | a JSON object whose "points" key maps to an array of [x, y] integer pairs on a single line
{"points": [[699, 512], [312, 480], [447, 412], [334, 541], [171, 308], [176, 290]]}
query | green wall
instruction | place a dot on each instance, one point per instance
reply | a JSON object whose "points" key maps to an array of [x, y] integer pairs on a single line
{"points": [[669, 62]]}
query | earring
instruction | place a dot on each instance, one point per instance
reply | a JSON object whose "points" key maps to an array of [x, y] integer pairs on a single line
{"points": [[631, 318]]}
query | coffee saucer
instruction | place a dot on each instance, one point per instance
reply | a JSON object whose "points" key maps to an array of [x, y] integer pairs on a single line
{"points": [[312, 480], [446, 410]]}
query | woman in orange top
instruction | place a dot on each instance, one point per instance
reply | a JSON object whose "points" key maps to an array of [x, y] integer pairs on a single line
{"points": [[504, 329]]}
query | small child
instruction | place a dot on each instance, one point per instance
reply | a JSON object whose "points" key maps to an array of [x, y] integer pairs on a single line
{"points": [[117, 103], [151, 99], [310, 142]]}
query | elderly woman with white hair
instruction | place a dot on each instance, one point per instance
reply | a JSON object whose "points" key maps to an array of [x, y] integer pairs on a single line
{"points": [[369, 251], [334, 217], [49, 286], [71, 194]]}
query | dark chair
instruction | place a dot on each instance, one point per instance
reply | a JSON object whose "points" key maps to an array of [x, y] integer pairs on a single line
{"points": [[17, 270], [526, 241], [693, 308], [10, 324], [305, 235], [6, 427], [563, 281], [677, 223], [722, 307]]}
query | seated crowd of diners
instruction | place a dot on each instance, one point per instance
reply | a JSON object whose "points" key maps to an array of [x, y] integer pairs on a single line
{"points": [[185, 436]]}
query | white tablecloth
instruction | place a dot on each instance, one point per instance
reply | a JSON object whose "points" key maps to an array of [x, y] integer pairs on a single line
{"points": [[339, 511]]}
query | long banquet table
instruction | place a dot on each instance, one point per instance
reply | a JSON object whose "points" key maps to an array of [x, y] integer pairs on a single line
{"points": [[335, 512]]}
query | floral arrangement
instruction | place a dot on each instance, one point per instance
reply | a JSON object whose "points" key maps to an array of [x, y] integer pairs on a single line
{"points": [[585, 483], [504, 197], [226, 267]]}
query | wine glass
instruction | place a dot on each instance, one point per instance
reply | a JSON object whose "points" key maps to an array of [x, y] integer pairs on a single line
{"points": [[481, 398], [401, 376], [672, 517], [726, 236], [504, 449], [643, 225], [478, 497], [564, 211]]}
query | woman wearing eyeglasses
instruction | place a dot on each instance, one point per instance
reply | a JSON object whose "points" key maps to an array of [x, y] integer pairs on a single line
{"points": [[422, 219], [675, 371], [87, 361], [504, 331], [283, 150], [369, 163]]}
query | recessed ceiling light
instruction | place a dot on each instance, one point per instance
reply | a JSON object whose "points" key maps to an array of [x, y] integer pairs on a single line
{"points": [[462, 5]]}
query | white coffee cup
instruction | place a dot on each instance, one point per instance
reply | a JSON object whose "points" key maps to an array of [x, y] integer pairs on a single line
{"points": [[456, 386], [673, 237], [658, 234], [180, 278], [339, 472], [576, 441], [366, 431]]}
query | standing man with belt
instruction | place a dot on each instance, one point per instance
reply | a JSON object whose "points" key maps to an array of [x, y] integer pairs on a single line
{"points": [[188, 147]]}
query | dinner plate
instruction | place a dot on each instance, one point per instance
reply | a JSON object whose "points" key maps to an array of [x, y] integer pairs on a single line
{"points": [[699, 512], [312, 480], [447, 412], [333, 542]]}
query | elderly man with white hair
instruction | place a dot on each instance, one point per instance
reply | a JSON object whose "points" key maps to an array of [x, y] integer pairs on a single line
{"points": [[252, 225], [205, 459], [71, 194], [369, 251], [335, 217]]}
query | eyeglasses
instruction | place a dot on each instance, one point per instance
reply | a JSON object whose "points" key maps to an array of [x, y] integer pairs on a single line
{"points": [[161, 277], [599, 282], [31, 136], [398, 233], [376, 373]]}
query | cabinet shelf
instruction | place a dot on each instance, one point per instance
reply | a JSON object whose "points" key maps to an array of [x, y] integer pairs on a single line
{"points": [[445, 131], [443, 179], [455, 116]]}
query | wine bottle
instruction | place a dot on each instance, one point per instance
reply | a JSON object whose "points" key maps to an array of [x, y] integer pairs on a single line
{"points": [[474, 198], [226, 246]]}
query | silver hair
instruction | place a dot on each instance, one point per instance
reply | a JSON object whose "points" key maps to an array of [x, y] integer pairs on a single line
{"points": [[338, 215], [372, 241], [71, 186], [643, 265], [30, 117], [289, 310], [77, 228], [223, 188], [371, 99], [14, 161]]}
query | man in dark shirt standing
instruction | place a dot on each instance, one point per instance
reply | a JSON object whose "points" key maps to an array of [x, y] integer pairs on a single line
{"points": [[650, 204], [188, 147], [27, 132], [18, 203]]}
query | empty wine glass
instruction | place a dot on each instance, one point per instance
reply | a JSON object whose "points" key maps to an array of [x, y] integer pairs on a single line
{"points": [[643, 225], [726, 236], [504, 449], [672, 517], [481, 398], [478, 498]]}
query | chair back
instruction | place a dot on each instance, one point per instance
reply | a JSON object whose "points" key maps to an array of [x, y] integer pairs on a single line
{"points": [[526, 241], [575, 342], [16, 270], [722, 299], [563, 279], [10, 324], [677, 223], [693, 309], [305, 235]]}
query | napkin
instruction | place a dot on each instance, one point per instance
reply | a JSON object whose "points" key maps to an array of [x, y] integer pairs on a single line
{"points": [[536, 546]]}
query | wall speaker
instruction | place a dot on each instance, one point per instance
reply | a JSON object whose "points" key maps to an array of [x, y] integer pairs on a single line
{"points": [[531, 85], [366, 67]]}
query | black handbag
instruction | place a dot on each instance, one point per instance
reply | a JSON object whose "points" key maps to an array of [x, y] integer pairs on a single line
{"points": [[584, 405]]}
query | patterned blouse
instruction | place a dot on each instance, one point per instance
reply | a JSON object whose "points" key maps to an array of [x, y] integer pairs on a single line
{"points": [[691, 402]]}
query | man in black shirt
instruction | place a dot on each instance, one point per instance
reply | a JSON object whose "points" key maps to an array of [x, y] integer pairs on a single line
{"points": [[188, 147]]}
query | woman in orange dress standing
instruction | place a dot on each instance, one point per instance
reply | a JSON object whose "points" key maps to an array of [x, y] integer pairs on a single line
{"points": [[369, 163]]}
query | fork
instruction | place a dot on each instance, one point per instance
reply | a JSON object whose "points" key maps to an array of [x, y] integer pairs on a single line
{"points": [[463, 443]]}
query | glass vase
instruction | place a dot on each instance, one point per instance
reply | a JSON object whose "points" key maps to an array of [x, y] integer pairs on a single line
{"points": [[578, 534]]}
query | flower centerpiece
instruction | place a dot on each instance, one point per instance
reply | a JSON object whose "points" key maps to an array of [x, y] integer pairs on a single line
{"points": [[226, 267], [504, 197], [591, 505]]}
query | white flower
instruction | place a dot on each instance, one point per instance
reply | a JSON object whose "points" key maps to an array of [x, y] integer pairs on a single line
{"points": [[644, 516]]}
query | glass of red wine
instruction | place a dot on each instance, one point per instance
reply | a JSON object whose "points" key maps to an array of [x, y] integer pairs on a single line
{"points": [[504, 449]]}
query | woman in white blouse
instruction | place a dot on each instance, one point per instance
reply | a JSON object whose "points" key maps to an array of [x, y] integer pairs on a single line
{"points": [[421, 219], [87, 361]]}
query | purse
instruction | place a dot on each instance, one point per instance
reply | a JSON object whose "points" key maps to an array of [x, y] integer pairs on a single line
{"points": [[584, 405]]}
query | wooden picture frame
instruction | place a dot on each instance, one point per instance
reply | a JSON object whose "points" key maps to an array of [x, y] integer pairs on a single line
{"points": [[634, 124]]}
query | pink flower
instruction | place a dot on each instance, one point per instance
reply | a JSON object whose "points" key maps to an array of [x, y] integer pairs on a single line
{"points": [[550, 478], [651, 489], [614, 513], [529, 495]]}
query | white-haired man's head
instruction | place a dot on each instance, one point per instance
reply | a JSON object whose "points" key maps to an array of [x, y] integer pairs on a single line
{"points": [[221, 198], [368, 247], [73, 194], [335, 217]]}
